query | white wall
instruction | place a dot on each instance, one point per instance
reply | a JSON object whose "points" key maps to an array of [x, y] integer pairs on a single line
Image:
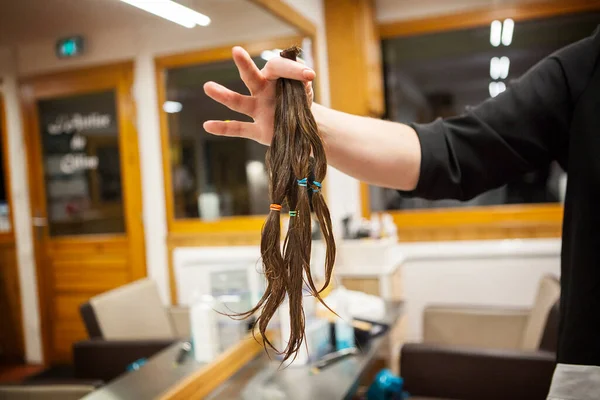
{"points": [[20, 208], [489, 273]]}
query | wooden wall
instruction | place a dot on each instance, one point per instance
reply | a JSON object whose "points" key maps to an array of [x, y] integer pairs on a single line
{"points": [[11, 324]]}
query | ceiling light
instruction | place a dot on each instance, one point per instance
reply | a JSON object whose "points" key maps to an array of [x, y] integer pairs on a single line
{"points": [[269, 54], [496, 88], [495, 68], [499, 67], [495, 33], [504, 65], [507, 31], [172, 107], [172, 11]]}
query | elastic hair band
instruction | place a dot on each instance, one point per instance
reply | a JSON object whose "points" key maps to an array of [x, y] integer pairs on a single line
{"points": [[302, 182], [293, 213], [275, 207], [318, 186]]}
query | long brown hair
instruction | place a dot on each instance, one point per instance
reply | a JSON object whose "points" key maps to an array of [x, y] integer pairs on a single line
{"points": [[296, 155]]}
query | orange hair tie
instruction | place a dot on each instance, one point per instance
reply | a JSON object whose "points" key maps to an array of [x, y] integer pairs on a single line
{"points": [[275, 207]]}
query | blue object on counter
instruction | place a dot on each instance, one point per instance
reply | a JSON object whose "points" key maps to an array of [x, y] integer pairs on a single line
{"points": [[137, 364], [386, 386]]}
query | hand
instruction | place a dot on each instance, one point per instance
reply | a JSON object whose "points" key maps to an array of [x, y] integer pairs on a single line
{"points": [[260, 105]]}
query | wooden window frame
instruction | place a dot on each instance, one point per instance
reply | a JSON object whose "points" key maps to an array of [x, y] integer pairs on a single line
{"points": [[8, 236], [485, 222]]}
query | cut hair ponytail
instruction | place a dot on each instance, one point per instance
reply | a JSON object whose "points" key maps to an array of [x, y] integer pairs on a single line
{"points": [[296, 166]]}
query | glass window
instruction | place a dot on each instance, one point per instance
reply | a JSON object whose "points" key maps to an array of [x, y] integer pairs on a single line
{"points": [[80, 150], [438, 75], [212, 176], [4, 208]]}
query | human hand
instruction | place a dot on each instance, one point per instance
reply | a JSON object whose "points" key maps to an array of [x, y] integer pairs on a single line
{"points": [[260, 105]]}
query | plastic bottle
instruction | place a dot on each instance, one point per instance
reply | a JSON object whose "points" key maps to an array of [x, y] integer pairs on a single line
{"points": [[344, 331], [205, 341]]}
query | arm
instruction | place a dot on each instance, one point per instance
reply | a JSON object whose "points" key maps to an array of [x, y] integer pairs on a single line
{"points": [[368, 149], [521, 130]]}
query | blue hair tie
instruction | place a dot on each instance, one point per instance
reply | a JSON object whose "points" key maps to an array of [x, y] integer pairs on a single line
{"points": [[293, 213], [302, 182], [318, 185]]}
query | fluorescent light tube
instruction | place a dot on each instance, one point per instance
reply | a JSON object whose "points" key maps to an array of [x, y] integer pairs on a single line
{"points": [[507, 31], [171, 11], [172, 107], [495, 33]]}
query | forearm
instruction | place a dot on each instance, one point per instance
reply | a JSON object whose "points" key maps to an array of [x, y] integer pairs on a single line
{"points": [[374, 151]]}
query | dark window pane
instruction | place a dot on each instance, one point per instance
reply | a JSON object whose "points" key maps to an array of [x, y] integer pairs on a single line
{"points": [[4, 209], [212, 176], [438, 75], [80, 150]]}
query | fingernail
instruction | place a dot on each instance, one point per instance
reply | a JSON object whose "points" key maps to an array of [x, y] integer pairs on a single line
{"points": [[308, 74]]}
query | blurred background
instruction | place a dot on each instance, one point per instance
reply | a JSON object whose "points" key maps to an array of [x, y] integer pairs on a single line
{"points": [[115, 201]]}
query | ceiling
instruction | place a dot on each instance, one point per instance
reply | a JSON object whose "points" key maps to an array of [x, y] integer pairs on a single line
{"points": [[23, 21]]}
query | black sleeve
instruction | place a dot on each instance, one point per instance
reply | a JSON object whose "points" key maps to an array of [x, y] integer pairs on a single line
{"points": [[520, 130]]}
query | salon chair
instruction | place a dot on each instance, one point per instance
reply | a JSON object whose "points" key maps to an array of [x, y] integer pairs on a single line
{"points": [[125, 325], [485, 353]]}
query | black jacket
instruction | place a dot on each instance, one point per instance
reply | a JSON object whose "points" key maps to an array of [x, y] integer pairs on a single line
{"points": [[551, 113]]}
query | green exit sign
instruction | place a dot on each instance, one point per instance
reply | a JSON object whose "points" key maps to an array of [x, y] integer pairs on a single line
{"points": [[69, 47]]}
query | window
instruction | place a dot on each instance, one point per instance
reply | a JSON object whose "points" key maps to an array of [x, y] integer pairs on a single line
{"points": [[439, 74], [212, 177], [5, 224], [82, 169]]}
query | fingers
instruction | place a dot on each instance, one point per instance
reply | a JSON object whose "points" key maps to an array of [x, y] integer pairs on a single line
{"points": [[249, 72], [279, 67], [229, 98], [232, 128]]}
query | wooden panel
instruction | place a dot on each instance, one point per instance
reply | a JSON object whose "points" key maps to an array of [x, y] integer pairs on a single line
{"points": [[354, 56], [11, 320], [97, 244], [66, 307], [64, 334], [11, 324], [483, 17], [222, 53], [289, 15], [480, 223], [86, 277]]}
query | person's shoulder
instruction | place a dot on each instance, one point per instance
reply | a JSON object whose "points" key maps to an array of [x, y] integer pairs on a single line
{"points": [[577, 62], [586, 50]]}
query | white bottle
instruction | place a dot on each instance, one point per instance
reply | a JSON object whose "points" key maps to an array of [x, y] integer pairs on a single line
{"points": [[203, 323], [389, 227], [375, 227]]}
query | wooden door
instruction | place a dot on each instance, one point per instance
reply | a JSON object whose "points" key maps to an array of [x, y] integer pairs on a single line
{"points": [[86, 194], [11, 323]]}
